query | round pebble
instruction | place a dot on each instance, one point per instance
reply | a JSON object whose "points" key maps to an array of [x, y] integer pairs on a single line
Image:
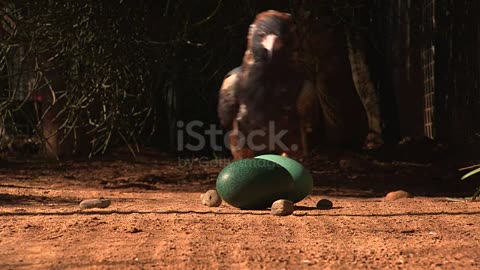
{"points": [[211, 198], [282, 208], [95, 203], [399, 194], [324, 204]]}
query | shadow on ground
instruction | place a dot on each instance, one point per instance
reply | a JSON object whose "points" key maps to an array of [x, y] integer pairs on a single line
{"points": [[335, 174], [13, 199]]}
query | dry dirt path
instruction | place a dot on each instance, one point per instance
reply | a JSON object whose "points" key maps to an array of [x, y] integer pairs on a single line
{"points": [[172, 230]]}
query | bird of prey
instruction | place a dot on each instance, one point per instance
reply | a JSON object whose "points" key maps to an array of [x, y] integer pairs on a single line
{"points": [[266, 102]]}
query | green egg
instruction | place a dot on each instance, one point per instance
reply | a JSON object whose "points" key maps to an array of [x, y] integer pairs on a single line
{"points": [[302, 179], [254, 183]]}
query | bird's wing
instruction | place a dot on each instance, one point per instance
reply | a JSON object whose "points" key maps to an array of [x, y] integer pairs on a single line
{"points": [[227, 102]]}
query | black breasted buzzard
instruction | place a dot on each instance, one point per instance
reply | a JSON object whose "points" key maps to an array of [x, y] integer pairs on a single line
{"points": [[266, 102]]}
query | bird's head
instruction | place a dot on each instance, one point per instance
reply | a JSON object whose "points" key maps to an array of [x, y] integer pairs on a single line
{"points": [[272, 37]]}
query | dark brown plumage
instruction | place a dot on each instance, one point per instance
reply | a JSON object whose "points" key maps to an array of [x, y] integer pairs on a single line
{"points": [[268, 88]]}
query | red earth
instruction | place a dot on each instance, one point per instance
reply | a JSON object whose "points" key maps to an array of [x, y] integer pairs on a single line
{"points": [[156, 219]]}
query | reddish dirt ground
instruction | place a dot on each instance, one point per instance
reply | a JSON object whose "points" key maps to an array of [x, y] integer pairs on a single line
{"points": [[156, 219]]}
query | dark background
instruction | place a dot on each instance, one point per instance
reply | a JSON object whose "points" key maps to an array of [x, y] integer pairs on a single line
{"points": [[112, 73]]}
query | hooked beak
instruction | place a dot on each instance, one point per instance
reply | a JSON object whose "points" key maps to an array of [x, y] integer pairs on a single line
{"points": [[271, 43]]}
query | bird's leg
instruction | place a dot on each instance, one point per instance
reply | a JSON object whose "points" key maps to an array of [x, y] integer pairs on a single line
{"points": [[303, 134], [300, 153], [238, 149], [239, 152]]}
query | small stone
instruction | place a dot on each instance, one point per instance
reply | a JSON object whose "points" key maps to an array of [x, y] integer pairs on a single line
{"points": [[282, 208], [458, 256], [324, 204], [399, 194], [134, 230], [95, 203], [211, 198]]}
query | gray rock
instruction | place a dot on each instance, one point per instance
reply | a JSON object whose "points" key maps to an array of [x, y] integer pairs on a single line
{"points": [[211, 198], [324, 204], [95, 203], [399, 194], [282, 208]]}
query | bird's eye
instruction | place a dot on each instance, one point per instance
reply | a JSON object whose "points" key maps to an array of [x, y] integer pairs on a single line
{"points": [[261, 34]]}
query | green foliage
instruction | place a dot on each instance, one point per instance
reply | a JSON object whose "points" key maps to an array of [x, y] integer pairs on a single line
{"points": [[473, 172]]}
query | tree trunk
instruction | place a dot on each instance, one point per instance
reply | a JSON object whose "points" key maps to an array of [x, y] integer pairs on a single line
{"points": [[362, 80]]}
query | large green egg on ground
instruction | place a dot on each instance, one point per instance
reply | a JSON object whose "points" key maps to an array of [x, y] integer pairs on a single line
{"points": [[302, 179], [254, 183]]}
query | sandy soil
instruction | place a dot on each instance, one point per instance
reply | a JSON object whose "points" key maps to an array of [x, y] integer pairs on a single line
{"points": [[156, 221]]}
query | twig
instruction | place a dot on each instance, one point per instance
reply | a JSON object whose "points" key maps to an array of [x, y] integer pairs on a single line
{"points": [[469, 167]]}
